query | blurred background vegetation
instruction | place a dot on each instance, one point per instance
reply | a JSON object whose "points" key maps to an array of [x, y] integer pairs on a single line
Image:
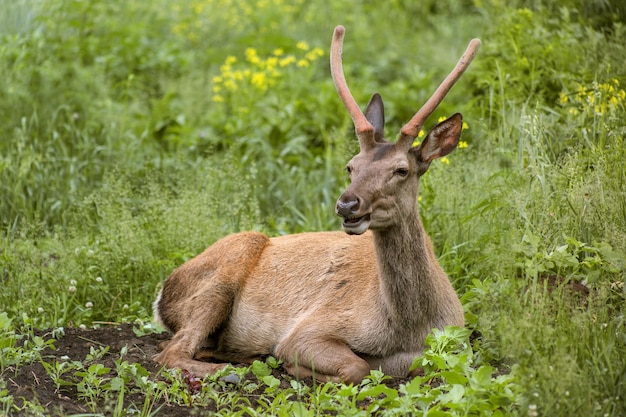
{"points": [[133, 134]]}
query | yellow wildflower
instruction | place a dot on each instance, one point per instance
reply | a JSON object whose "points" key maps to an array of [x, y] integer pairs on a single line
{"points": [[217, 98], [271, 63], [259, 80], [441, 119], [230, 85], [445, 160], [314, 53], [225, 70], [279, 51], [286, 61], [302, 45], [563, 99], [463, 144], [251, 56], [318, 51], [465, 126], [237, 75], [303, 63], [421, 134]]}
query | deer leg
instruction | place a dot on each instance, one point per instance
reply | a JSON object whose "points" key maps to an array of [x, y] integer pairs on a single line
{"points": [[200, 317], [180, 352], [397, 365], [305, 354], [214, 355]]}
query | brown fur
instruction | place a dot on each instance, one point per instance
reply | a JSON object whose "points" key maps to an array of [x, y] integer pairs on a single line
{"points": [[329, 304]]}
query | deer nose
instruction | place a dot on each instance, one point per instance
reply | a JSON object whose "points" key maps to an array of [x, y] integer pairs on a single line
{"points": [[347, 208]]}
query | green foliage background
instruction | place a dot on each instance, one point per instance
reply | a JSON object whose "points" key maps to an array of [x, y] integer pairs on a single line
{"points": [[133, 134]]}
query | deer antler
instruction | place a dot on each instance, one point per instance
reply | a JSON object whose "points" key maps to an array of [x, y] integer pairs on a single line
{"points": [[410, 130], [364, 129]]}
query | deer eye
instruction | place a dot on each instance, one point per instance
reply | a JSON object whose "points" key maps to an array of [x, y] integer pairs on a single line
{"points": [[401, 172], [348, 169]]}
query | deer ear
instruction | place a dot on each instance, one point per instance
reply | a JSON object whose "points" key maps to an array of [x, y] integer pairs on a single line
{"points": [[375, 114], [441, 140]]}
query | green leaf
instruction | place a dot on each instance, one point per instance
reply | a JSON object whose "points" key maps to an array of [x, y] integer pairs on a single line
{"points": [[377, 390], [454, 377], [117, 384], [5, 321], [271, 381], [273, 362], [98, 369], [414, 386], [453, 396], [483, 375], [260, 369]]}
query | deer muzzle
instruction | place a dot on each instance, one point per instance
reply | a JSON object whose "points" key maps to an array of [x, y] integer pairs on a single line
{"points": [[355, 222]]}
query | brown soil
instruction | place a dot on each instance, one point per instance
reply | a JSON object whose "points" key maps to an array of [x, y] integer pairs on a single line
{"points": [[31, 382]]}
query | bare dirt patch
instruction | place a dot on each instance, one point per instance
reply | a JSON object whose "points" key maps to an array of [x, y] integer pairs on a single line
{"points": [[32, 383]]}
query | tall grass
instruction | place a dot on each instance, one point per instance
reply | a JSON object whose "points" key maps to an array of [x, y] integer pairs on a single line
{"points": [[135, 133]]}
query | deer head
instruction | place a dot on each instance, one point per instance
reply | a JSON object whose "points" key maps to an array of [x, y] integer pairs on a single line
{"points": [[384, 176]]}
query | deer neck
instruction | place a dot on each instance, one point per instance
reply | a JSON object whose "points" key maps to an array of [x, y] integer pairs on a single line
{"points": [[407, 274]]}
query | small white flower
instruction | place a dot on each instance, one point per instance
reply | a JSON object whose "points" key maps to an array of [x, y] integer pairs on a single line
{"points": [[82, 327], [99, 280], [65, 358], [89, 304], [40, 310], [125, 307], [71, 288], [73, 282]]}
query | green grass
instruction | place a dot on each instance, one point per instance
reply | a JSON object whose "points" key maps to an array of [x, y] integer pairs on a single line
{"points": [[134, 134]]}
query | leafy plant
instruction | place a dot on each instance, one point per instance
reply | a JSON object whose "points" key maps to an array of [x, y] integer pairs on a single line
{"points": [[574, 259]]}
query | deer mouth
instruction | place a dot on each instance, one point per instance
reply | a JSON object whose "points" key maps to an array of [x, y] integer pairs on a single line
{"points": [[356, 225]]}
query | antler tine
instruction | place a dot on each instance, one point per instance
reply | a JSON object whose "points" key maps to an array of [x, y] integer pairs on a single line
{"points": [[364, 129], [410, 130]]}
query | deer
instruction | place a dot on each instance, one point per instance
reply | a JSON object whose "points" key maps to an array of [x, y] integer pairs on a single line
{"points": [[330, 305]]}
